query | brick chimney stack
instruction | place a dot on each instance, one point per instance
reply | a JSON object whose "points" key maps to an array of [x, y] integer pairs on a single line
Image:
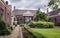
{"points": [[6, 2], [38, 8], [14, 7]]}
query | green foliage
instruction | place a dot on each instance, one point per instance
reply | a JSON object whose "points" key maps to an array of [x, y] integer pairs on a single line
{"points": [[38, 35], [37, 16], [48, 33], [41, 24], [51, 2], [41, 16], [4, 28], [55, 7], [54, 4]]}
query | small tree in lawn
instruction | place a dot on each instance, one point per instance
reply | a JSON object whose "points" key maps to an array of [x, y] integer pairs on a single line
{"points": [[37, 15], [40, 16]]}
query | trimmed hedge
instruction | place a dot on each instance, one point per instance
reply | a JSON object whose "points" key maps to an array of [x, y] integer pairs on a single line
{"points": [[41, 24]]}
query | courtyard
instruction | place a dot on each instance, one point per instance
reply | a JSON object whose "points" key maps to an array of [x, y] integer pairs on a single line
{"points": [[29, 18]]}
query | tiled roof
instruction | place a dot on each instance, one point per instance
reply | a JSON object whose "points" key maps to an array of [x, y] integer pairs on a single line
{"points": [[20, 12], [54, 12], [57, 15], [28, 13]]}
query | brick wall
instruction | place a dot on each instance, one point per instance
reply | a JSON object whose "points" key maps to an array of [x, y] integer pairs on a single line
{"points": [[6, 12]]}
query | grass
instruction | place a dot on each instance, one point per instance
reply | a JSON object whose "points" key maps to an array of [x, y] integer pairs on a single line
{"points": [[48, 33]]}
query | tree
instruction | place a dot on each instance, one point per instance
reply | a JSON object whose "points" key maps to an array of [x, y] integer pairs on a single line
{"points": [[54, 4], [40, 16]]}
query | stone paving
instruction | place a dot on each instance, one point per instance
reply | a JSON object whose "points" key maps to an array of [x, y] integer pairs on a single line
{"points": [[16, 33]]}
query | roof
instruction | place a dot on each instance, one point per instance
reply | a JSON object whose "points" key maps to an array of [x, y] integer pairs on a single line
{"points": [[54, 12], [21, 12], [57, 15], [28, 13]]}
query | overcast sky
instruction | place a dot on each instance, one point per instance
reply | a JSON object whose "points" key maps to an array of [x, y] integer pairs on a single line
{"points": [[29, 4]]}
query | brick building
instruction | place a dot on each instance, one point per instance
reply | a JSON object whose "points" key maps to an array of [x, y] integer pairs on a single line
{"points": [[55, 16], [24, 16], [5, 11]]}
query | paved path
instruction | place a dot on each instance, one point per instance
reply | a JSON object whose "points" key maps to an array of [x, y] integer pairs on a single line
{"points": [[16, 33], [20, 33]]}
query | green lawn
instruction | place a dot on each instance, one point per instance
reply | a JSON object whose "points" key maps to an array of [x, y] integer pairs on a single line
{"points": [[49, 33]]}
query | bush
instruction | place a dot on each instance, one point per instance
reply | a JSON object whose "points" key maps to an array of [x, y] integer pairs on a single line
{"points": [[4, 28], [41, 24]]}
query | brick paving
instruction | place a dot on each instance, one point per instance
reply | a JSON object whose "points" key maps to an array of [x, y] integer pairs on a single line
{"points": [[16, 33]]}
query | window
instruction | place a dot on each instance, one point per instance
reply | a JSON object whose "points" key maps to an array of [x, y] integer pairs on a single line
{"points": [[55, 20], [58, 13], [1, 11], [48, 14], [19, 16], [27, 19]]}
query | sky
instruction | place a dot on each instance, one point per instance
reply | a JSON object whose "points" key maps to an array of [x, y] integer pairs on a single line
{"points": [[29, 4]]}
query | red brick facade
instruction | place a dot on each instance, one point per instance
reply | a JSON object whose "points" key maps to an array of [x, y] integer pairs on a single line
{"points": [[24, 16], [6, 12]]}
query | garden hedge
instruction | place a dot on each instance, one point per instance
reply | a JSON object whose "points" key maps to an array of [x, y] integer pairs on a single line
{"points": [[41, 24]]}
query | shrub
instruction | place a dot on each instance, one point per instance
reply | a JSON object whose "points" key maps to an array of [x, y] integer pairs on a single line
{"points": [[41, 24], [4, 28], [32, 24]]}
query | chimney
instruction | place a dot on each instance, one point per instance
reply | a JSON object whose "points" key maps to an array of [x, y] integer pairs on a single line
{"points": [[14, 7], [6, 2], [38, 8], [47, 10]]}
